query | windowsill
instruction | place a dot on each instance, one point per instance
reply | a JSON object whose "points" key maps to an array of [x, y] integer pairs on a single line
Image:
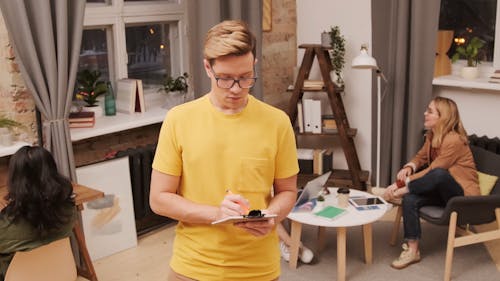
{"points": [[458, 81], [120, 122], [11, 149]]}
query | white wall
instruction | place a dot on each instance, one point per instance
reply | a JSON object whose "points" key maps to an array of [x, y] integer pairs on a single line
{"points": [[479, 109], [354, 20]]}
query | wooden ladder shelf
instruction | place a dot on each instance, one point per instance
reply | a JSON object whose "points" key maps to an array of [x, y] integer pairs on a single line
{"points": [[354, 177]]}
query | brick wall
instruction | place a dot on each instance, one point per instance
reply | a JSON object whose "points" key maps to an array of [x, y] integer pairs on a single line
{"points": [[279, 54], [279, 58]]}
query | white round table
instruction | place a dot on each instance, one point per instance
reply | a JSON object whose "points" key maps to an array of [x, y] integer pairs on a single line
{"points": [[353, 217]]}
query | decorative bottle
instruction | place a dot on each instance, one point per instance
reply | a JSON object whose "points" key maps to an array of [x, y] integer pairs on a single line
{"points": [[109, 101]]}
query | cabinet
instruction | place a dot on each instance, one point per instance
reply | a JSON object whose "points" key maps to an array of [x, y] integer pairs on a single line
{"points": [[354, 176]]}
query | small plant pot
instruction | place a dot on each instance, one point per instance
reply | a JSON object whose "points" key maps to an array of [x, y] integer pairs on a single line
{"points": [[469, 72], [326, 41], [173, 99], [5, 137], [98, 110]]}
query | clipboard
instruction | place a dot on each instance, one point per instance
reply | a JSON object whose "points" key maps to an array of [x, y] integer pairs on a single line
{"points": [[235, 219]]}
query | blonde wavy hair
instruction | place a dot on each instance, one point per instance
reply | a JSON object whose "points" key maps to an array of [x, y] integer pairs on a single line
{"points": [[230, 37], [449, 121]]}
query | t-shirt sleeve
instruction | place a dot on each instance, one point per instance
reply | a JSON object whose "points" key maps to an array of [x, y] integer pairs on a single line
{"points": [[287, 163], [167, 158]]}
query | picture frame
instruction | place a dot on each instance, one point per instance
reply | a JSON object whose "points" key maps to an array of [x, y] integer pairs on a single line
{"points": [[266, 15]]}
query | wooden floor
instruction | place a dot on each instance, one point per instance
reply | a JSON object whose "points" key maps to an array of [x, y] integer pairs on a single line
{"points": [[149, 260], [146, 262]]}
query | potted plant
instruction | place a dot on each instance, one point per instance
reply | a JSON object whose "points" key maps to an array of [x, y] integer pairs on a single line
{"points": [[5, 125], [176, 89], [90, 87], [337, 43], [470, 52]]}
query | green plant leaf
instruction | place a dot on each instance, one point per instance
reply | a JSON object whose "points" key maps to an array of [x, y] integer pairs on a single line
{"points": [[179, 84]]}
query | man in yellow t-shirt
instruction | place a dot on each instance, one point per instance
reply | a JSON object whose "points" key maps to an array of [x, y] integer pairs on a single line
{"points": [[225, 140]]}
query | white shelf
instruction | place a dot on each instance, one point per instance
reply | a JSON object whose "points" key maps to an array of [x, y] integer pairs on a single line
{"points": [[9, 150], [120, 122], [457, 81]]}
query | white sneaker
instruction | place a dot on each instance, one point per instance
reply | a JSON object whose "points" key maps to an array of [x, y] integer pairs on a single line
{"points": [[306, 255], [285, 252]]}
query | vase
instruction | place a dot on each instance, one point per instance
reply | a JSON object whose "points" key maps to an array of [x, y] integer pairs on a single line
{"points": [[109, 101], [326, 40], [442, 63], [469, 72], [98, 112], [174, 98]]}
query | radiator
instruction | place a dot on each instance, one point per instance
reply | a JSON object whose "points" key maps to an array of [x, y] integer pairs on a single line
{"points": [[491, 144], [140, 160]]}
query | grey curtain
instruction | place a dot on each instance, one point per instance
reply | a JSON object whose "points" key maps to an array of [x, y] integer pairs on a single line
{"points": [[205, 14], [46, 35], [404, 39]]}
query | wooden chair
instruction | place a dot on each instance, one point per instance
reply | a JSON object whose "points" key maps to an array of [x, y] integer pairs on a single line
{"points": [[464, 211], [51, 262]]}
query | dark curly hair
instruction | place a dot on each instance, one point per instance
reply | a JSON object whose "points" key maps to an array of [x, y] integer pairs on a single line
{"points": [[37, 192]]}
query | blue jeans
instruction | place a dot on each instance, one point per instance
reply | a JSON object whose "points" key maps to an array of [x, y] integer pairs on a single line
{"points": [[435, 189]]}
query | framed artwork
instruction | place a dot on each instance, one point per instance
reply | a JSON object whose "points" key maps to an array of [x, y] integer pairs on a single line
{"points": [[266, 15], [108, 223]]}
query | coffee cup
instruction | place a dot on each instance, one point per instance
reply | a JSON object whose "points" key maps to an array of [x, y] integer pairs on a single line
{"points": [[343, 197]]}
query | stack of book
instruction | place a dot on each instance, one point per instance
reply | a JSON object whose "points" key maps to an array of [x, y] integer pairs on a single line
{"points": [[329, 124], [82, 119], [313, 84], [315, 161], [495, 77]]}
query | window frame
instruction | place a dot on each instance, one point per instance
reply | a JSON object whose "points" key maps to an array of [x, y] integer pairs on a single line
{"points": [[115, 17]]}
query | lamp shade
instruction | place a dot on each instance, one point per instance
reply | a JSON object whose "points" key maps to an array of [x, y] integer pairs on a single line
{"points": [[364, 60]]}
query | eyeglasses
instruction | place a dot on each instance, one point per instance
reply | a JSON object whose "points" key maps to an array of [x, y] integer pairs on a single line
{"points": [[228, 83]]}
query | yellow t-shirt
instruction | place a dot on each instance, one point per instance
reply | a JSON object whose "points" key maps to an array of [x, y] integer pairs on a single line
{"points": [[212, 152]]}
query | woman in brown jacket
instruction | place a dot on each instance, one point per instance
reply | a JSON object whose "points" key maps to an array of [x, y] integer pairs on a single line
{"points": [[449, 171]]}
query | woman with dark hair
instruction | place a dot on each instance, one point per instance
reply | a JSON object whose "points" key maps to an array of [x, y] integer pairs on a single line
{"points": [[39, 207]]}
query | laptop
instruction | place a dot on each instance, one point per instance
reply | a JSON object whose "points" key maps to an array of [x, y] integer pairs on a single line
{"points": [[311, 190]]}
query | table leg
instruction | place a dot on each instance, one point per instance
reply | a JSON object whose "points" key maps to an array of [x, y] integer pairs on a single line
{"points": [[321, 239], [88, 268], [341, 253], [296, 230], [368, 240]]}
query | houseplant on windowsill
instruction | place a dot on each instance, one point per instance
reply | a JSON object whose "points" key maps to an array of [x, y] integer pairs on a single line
{"points": [[6, 125], [176, 89], [470, 52], [90, 87]]}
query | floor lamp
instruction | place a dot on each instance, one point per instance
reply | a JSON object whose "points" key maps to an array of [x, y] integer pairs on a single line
{"points": [[365, 61]]}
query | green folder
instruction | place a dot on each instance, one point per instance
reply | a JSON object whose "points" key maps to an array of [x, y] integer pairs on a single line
{"points": [[331, 212]]}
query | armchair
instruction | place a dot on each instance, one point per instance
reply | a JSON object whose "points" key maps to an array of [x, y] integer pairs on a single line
{"points": [[465, 211]]}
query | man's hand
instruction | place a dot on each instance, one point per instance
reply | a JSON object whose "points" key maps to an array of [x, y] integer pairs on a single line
{"points": [[232, 205], [257, 228]]}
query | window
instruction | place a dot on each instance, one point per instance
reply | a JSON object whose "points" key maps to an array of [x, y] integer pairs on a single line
{"points": [[135, 39], [470, 19], [474, 18]]}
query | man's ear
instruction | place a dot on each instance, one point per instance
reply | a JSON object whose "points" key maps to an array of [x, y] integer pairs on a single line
{"points": [[207, 67]]}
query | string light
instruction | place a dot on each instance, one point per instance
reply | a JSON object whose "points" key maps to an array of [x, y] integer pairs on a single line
{"points": [[459, 40]]}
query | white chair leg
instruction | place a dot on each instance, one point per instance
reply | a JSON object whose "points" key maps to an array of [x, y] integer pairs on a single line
{"points": [[450, 246]]}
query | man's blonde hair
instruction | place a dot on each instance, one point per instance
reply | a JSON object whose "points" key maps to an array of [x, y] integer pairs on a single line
{"points": [[230, 37], [449, 121]]}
